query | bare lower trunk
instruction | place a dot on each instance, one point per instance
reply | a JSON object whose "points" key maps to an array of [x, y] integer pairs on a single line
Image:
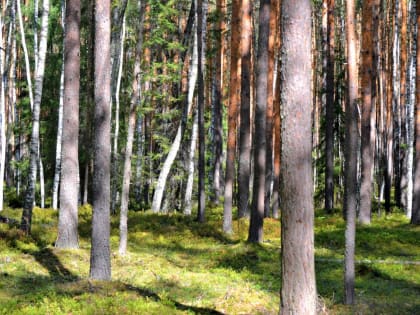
{"points": [[100, 259], [298, 289], [190, 181], [135, 99], [351, 145], [34, 146]]}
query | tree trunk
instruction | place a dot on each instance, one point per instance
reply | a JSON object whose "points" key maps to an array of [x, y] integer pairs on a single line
{"points": [[100, 259], [368, 109], [351, 146], [134, 101], [34, 146], [415, 217], [232, 116], [244, 168], [2, 108], [298, 289], [270, 109], [69, 194], [190, 181], [329, 108], [201, 40], [217, 105], [258, 193]]}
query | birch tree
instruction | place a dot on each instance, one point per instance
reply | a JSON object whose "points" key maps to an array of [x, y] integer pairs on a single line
{"points": [[34, 146]]}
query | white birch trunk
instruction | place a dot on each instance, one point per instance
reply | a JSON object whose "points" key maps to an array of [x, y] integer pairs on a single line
{"points": [[25, 53], [163, 176], [135, 98], [56, 182], [2, 111], [190, 181], [36, 12]]}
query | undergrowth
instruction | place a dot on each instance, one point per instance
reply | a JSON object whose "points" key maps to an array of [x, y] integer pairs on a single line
{"points": [[178, 266]]}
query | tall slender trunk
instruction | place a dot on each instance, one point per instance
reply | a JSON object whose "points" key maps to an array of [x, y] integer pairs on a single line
{"points": [[298, 289], [270, 109], [100, 258], [259, 139], [190, 180], [415, 217], [277, 120], [244, 168], [201, 41], [351, 145], [3, 78], [25, 53], [410, 109], [329, 108], [69, 192], [232, 116], [368, 109], [134, 101], [57, 170], [217, 104], [173, 151], [403, 104], [34, 146]]}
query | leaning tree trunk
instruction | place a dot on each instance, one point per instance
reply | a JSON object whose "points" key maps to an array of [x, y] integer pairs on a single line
{"points": [[232, 116], [191, 165], [134, 101], [298, 289], [69, 192], [100, 258], [351, 145], [258, 196], [34, 146]]}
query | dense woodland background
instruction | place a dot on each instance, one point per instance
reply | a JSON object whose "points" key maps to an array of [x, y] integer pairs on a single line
{"points": [[263, 109]]}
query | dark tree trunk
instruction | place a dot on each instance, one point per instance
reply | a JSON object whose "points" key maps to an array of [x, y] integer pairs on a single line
{"points": [[329, 109], [415, 217], [69, 194], [100, 259], [201, 36], [367, 147], [258, 195], [245, 114], [298, 292]]}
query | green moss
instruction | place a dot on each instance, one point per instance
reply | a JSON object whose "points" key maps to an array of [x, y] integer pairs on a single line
{"points": [[178, 266]]}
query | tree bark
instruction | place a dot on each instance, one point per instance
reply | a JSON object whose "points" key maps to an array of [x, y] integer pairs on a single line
{"points": [[69, 193], [244, 167], [329, 107], [201, 40], [100, 259], [34, 146], [134, 101], [232, 116], [298, 292], [351, 145], [258, 194], [415, 218], [368, 109], [190, 180]]}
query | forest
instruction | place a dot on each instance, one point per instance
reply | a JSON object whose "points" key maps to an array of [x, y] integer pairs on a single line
{"points": [[209, 157]]}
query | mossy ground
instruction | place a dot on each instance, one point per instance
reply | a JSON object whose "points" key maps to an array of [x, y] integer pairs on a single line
{"points": [[178, 266]]}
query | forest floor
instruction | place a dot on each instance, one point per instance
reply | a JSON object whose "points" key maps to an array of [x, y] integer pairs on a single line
{"points": [[178, 266]]}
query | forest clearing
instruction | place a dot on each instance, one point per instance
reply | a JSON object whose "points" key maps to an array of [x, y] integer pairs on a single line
{"points": [[177, 266], [209, 157]]}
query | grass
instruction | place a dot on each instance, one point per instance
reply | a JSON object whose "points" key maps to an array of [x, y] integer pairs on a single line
{"points": [[178, 266]]}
